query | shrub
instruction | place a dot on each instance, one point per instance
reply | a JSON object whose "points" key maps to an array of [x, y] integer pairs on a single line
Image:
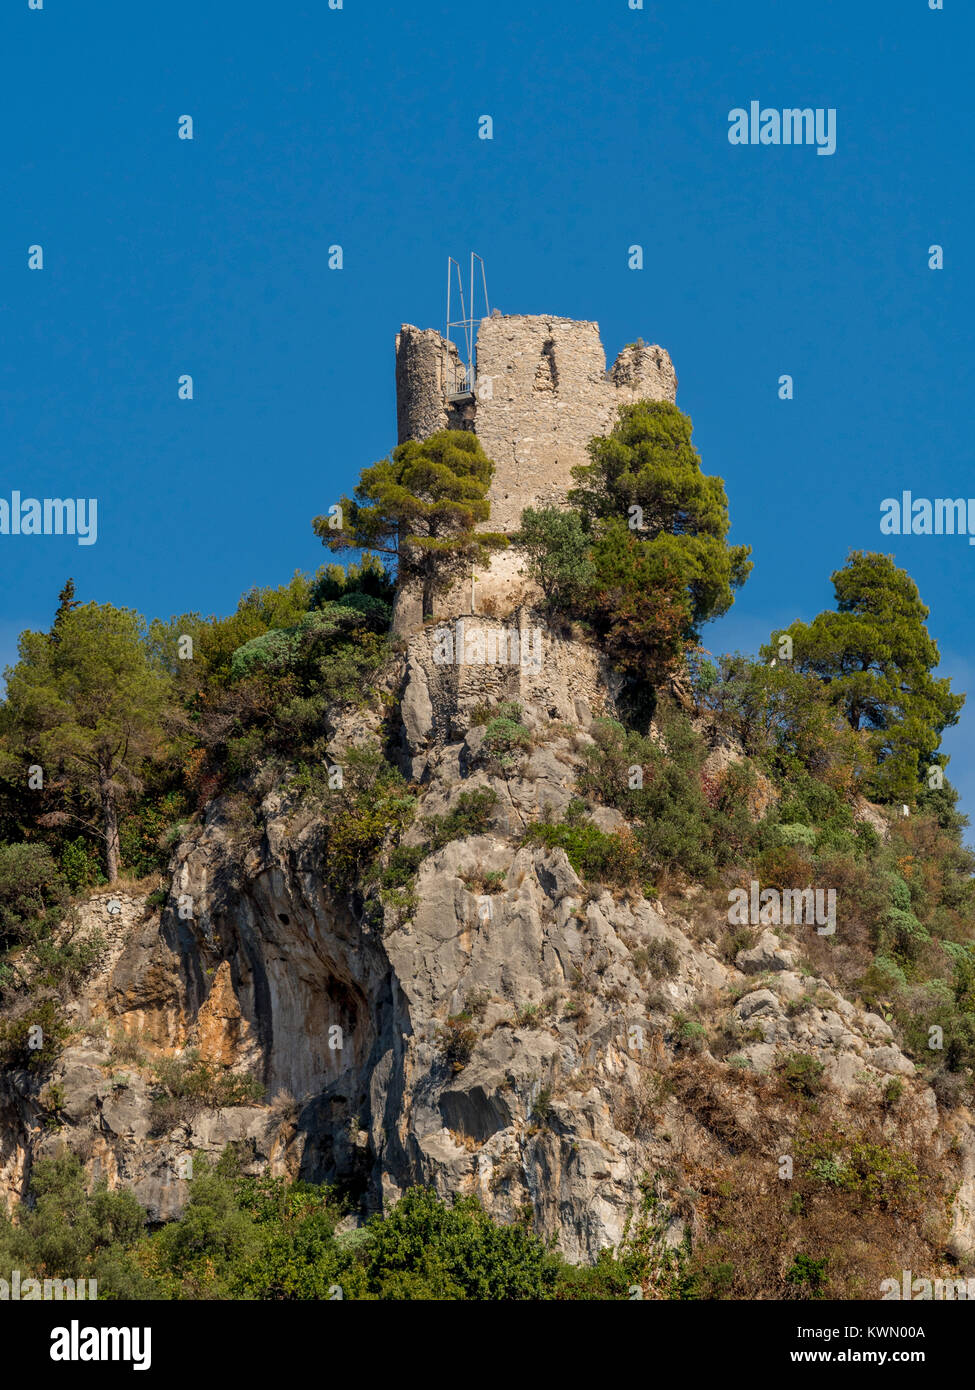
{"points": [[457, 1041], [32, 892], [594, 855], [883, 979], [680, 825], [797, 836], [784, 719], [893, 1091], [689, 1033], [807, 1277], [426, 1249], [66, 962], [803, 1074], [662, 958], [68, 1230], [186, 1085], [877, 1172], [505, 743], [868, 842], [376, 803], [899, 890], [557, 548], [80, 865], [272, 691], [784, 867], [402, 902], [282, 650], [483, 714], [127, 1049], [902, 935], [471, 815], [949, 1088], [145, 836], [369, 576], [542, 1106], [33, 1038]]}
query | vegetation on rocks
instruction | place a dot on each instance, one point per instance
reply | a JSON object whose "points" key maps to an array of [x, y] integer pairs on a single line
{"points": [[789, 771]]}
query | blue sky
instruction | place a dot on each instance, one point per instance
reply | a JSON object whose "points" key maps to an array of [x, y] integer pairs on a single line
{"points": [[359, 127]]}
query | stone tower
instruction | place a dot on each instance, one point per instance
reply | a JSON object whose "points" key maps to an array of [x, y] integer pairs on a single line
{"points": [[542, 391]]}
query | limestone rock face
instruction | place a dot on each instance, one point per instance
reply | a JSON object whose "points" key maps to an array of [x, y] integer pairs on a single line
{"points": [[767, 955], [574, 1004]]}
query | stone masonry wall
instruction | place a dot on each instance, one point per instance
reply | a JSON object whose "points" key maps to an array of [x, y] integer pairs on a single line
{"points": [[543, 392], [427, 368], [452, 667]]}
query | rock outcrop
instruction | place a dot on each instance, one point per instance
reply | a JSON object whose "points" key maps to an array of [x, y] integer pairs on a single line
{"points": [[584, 1023]]}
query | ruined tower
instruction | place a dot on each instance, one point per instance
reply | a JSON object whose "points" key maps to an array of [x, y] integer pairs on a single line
{"points": [[541, 391]]}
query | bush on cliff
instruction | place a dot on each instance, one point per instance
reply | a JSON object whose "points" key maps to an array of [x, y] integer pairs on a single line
{"points": [[683, 824], [279, 688], [506, 742], [285, 650], [595, 856], [32, 893], [470, 815]]}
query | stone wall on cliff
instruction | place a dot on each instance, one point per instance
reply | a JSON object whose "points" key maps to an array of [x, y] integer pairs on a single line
{"points": [[542, 393]]}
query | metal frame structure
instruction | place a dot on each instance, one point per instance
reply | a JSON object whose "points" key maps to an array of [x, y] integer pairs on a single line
{"points": [[469, 325]]}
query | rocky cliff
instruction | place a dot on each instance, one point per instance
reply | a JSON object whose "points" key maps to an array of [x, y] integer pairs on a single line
{"points": [[556, 1046]]}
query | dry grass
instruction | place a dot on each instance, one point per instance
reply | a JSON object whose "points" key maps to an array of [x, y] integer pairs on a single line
{"points": [[284, 1106], [868, 1195], [129, 886], [127, 1050]]}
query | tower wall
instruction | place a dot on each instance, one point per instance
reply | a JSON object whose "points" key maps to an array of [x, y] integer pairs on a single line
{"points": [[543, 392], [423, 364]]}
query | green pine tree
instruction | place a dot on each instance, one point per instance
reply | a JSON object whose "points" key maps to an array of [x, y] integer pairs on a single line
{"points": [[88, 709], [877, 658], [421, 507], [645, 483]]}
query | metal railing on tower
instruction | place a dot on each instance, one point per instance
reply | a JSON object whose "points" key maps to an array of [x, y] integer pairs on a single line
{"points": [[464, 372]]}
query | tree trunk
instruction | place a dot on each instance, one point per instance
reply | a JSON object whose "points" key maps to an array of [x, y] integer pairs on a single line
{"points": [[110, 823]]}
